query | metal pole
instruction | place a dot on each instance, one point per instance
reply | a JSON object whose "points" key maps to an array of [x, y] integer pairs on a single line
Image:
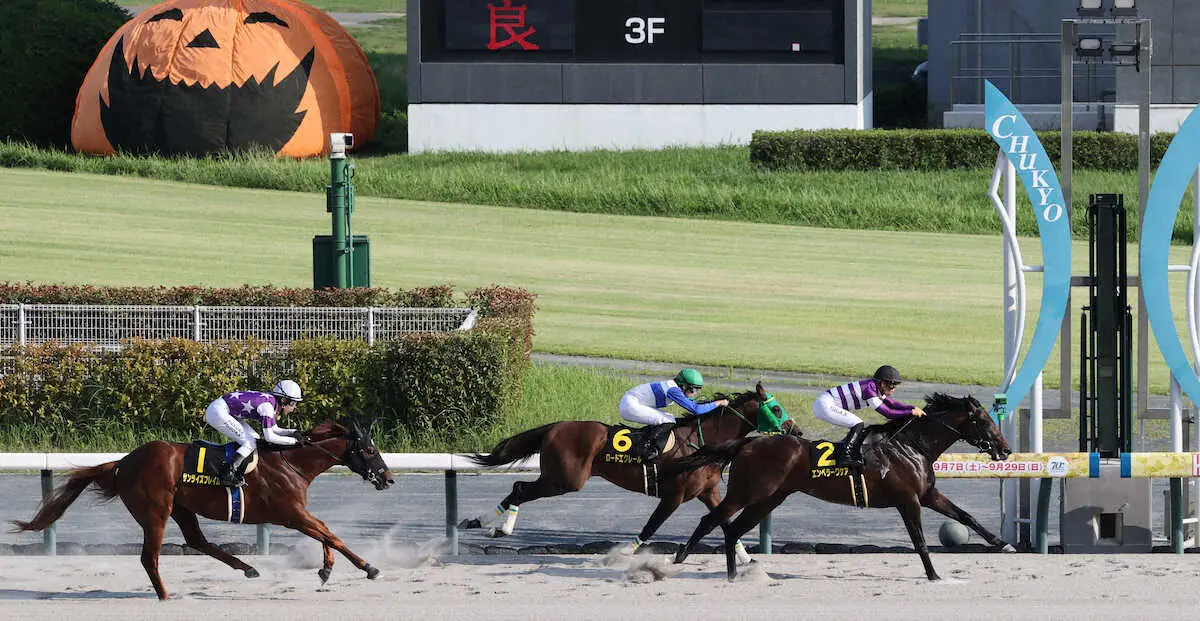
{"points": [[264, 539], [1066, 122], [1008, 488], [452, 511], [196, 323], [335, 197], [764, 535], [49, 536], [1142, 29], [1043, 515], [1177, 515]]}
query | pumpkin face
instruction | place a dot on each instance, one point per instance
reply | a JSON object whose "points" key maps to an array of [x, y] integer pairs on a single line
{"points": [[203, 76]]}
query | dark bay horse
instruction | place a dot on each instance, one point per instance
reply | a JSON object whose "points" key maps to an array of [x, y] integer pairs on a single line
{"points": [[571, 452], [898, 473], [148, 481]]}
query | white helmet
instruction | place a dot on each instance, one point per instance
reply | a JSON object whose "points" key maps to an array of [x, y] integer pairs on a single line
{"points": [[289, 390]]}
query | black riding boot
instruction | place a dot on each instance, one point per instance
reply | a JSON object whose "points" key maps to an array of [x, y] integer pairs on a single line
{"points": [[232, 475], [651, 441], [854, 440]]}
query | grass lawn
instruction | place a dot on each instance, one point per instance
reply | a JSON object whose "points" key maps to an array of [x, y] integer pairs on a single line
{"points": [[729, 293]]}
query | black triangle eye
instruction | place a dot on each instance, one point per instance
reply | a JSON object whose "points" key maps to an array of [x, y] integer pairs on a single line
{"points": [[174, 14], [263, 17]]}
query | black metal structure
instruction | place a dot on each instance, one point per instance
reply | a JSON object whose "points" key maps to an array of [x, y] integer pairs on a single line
{"points": [[1106, 369]]}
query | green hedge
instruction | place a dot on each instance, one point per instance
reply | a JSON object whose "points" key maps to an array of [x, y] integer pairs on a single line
{"points": [[933, 150], [46, 48], [444, 387]]}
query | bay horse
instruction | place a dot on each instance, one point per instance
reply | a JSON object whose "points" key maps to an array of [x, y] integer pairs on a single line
{"points": [[898, 473], [148, 481], [571, 452]]}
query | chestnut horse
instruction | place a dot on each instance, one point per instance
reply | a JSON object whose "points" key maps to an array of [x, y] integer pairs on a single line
{"points": [[573, 451], [898, 473], [148, 480]]}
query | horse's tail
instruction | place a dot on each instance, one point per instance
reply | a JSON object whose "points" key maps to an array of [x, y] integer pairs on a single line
{"points": [[520, 446], [714, 454], [103, 476]]}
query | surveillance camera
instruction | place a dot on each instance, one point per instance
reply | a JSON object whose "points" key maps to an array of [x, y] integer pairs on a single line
{"points": [[339, 142]]}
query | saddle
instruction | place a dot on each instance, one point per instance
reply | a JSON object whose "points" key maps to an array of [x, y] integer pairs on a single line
{"points": [[203, 461], [629, 445]]}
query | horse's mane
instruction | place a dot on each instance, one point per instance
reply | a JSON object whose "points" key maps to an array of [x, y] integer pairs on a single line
{"points": [[326, 429], [735, 402], [937, 404]]}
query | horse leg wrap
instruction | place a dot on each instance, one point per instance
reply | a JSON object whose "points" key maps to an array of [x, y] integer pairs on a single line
{"points": [[739, 550], [510, 522], [632, 548]]}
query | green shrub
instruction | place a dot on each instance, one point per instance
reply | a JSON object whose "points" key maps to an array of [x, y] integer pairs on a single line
{"points": [[46, 47], [453, 384], [934, 150]]}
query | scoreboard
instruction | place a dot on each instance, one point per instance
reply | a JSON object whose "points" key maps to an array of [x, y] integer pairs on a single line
{"points": [[745, 31], [533, 74]]}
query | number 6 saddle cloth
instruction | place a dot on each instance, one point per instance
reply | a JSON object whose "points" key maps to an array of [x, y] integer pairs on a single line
{"points": [[625, 445]]}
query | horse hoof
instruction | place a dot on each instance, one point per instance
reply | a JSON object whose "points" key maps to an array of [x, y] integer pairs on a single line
{"points": [[372, 573], [469, 524], [324, 573], [251, 573], [496, 533], [679, 558], [1008, 547]]}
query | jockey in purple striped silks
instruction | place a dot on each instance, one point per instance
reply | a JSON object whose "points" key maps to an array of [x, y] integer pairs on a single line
{"points": [[230, 414], [836, 404]]}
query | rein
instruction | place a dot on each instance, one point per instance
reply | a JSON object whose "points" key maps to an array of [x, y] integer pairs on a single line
{"points": [[336, 459], [700, 427], [958, 434]]}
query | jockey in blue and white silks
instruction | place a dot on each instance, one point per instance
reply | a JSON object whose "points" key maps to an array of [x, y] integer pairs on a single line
{"points": [[835, 405], [231, 414], [643, 403]]}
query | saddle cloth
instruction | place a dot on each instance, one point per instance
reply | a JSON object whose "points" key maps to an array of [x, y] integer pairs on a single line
{"points": [[203, 460], [624, 444]]}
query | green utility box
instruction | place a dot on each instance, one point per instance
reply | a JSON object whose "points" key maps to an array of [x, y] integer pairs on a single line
{"points": [[323, 262]]}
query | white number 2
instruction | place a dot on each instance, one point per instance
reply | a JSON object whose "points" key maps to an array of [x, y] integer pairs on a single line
{"points": [[643, 29]]}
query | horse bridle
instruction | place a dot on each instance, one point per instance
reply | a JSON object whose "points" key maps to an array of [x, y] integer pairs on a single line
{"points": [[700, 428], [355, 446], [981, 442]]}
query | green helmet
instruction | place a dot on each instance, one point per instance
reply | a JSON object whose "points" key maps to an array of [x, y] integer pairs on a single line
{"points": [[689, 377]]}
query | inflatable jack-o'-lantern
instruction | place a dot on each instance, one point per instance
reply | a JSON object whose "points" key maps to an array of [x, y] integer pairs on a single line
{"points": [[204, 76]]}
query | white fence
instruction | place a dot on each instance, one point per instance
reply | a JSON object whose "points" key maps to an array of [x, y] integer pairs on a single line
{"points": [[449, 463], [107, 325]]}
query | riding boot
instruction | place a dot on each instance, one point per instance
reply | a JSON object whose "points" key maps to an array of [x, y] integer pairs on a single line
{"points": [[650, 440], [232, 472], [854, 440]]}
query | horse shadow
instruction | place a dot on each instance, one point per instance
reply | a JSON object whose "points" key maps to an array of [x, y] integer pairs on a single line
{"points": [[30, 595]]}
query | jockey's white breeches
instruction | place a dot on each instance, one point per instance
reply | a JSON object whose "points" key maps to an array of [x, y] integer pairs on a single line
{"points": [[635, 411], [217, 415], [827, 408]]}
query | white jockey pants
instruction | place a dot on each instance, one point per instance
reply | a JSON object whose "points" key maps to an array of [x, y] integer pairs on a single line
{"points": [[827, 408], [217, 415], [634, 411]]}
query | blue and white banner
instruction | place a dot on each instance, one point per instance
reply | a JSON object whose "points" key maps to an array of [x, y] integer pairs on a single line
{"points": [[1158, 223], [1020, 144]]}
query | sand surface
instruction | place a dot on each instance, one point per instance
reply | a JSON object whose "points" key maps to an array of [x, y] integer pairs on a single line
{"points": [[417, 585]]}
